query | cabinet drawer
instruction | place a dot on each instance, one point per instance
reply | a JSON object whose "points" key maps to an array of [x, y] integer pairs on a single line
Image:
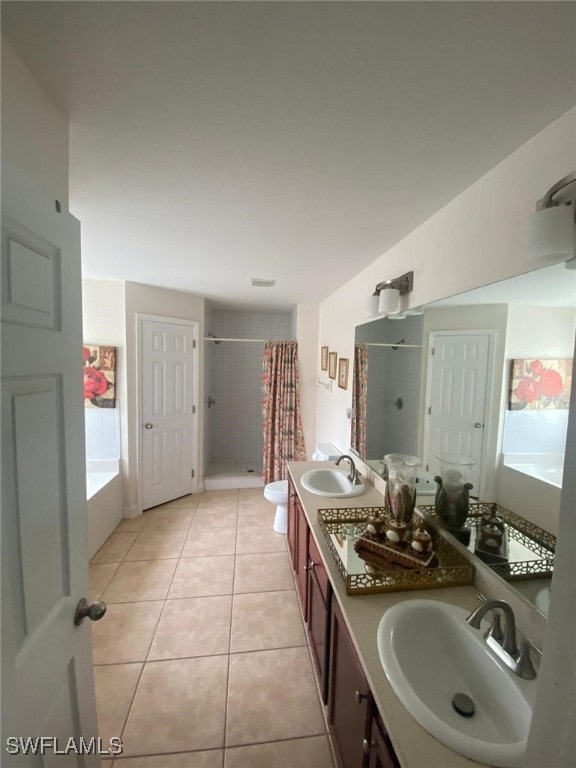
{"points": [[316, 564]]}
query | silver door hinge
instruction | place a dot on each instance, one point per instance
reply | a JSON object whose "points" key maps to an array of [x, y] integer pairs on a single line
{"points": [[432, 350], [193, 409], [191, 473], [429, 410], [193, 343]]}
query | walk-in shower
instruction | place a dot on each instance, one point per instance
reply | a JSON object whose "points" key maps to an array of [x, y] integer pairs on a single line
{"points": [[233, 351]]}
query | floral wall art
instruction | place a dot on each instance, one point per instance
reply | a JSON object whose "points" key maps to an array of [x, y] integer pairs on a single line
{"points": [[99, 376], [539, 384]]}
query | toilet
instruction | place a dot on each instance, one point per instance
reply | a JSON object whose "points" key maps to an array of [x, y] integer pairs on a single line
{"points": [[277, 492]]}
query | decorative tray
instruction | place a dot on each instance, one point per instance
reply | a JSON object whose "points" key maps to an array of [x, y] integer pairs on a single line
{"points": [[530, 549], [342, 527]]}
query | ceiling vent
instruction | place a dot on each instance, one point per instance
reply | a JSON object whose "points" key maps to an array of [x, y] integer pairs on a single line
{"points": [[258, 282]]}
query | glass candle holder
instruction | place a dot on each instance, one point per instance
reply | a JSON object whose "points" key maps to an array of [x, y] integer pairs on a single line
{"points": [[402, 471], [452, 494]]}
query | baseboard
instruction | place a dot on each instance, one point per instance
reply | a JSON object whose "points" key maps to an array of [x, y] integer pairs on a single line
{"points": [[129, 512]]}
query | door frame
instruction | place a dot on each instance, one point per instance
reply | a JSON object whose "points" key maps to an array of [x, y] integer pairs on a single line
{"points": [[195, 326], [486, 420]]}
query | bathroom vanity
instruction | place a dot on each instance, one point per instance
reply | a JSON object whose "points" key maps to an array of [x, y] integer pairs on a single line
{"points": [[369, 726]]}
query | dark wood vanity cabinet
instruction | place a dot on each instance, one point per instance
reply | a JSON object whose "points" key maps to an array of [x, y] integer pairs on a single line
{"points": [[298, 534], [318, 613], [349, 698], [380, 751]]}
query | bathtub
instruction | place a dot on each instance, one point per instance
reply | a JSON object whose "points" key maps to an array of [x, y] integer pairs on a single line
{"points": [[104, 501], [530, 484]]}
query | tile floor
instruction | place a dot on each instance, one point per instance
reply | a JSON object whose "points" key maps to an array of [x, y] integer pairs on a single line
{"points": [[202, 659]]}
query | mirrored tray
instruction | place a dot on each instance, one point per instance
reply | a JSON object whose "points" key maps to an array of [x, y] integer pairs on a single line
{"points": [[530, 549], [342, 527]]}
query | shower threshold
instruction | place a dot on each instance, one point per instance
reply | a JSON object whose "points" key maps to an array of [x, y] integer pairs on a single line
{"points": [[233, 473]]}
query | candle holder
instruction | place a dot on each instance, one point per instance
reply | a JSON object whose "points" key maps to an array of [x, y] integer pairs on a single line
{"points": [[452, 493], [401, 474]]}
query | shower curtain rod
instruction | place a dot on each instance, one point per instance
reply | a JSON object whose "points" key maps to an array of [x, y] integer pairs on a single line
{"points": [[395, 345], [260, 341]]}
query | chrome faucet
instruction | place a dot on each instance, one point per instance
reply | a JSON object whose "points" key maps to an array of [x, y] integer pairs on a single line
{"points": [[504, 643], [354, 475]]}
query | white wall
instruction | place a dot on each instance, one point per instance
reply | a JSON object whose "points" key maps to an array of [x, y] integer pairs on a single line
{"points": [[34, 130], [306, 332], [148, 299]]}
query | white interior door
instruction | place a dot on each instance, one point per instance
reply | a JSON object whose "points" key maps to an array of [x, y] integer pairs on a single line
{"points": [[168, 354], [457, 392], [47, 678]]}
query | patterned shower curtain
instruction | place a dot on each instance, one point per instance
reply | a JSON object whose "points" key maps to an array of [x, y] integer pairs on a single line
{"points": [[281, 420], [359, 396]]}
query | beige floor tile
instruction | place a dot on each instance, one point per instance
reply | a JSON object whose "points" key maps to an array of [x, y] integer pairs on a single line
{"points": [[251, 539], [202, 542], [203, 576], [312, 752], [215, 517], [156, 545], [266, 620], [272, 695], [140, 580], [263, 573], [256, 514], [179, 706], [100, 575], [173, 518], [211, 759], [131, 524], [224, 498], [189, 502], [196, 626], [251, 495], [115, 685], [125, 633], [114, 548]]}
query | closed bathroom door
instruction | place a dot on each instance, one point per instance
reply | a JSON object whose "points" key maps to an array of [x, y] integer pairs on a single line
{"points": [[47, 678], [168, 411], [457, 399]]}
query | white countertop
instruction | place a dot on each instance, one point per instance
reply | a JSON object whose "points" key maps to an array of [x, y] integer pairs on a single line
{"points": [[414, 746]]}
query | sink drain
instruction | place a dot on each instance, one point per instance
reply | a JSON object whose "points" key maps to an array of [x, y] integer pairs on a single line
{"points": [[463, 704]]}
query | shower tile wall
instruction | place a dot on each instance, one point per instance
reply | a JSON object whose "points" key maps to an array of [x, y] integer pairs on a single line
{"points": [[235, 420]]}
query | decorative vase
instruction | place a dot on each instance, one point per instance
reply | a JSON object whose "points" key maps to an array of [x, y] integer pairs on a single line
{"points": [[402, 470], [452, 493]]}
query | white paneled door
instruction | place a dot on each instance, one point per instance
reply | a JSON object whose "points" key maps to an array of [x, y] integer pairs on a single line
{"points": [[457, 394], [168, 354], [47, 679]]}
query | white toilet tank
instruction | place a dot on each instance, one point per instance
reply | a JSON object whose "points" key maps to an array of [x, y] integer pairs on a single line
{"points": [[326, 452]]}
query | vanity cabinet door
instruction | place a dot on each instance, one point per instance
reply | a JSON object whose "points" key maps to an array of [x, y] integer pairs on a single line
{"points": [[381, 752], [291, 528], [319, 598], [349, 698], [302, 535]]}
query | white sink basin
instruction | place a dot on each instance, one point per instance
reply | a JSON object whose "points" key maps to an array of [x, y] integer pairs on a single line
{"points": [[330, 482], [429, 654]]}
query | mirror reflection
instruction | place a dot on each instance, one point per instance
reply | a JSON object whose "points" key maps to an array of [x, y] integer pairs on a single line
{"points": [[477, 375]]}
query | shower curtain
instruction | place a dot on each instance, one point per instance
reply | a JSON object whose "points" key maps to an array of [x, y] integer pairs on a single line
{"points": [[281, 420], [359, 398]]}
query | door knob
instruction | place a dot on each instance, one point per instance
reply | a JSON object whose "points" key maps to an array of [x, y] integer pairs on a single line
{"points": [[93, 611], [478, 425], [148, 425]]}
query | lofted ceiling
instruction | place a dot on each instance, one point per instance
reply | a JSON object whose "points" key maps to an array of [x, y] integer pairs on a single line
{"points": [[214, 142]]}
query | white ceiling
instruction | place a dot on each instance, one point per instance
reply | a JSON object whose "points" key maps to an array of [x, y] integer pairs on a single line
{"points": [[213, 142]]}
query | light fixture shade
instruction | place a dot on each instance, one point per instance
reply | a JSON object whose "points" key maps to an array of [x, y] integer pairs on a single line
{"points": [[551, 234], [389, 301], [372, 305]]}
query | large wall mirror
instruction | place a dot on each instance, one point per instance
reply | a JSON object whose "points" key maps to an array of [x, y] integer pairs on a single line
{"points": [[443, 380]]}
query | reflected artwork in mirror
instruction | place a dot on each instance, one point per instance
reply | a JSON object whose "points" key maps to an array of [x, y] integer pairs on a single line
{"points": [[440, 382]]}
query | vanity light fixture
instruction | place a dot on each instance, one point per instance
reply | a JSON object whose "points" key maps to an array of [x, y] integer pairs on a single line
{"points": [[385, 300], [551, 234]]}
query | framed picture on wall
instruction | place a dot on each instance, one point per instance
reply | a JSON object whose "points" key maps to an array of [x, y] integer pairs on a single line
{"points": [[343, 373], [332, 357], [324, 358]]}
